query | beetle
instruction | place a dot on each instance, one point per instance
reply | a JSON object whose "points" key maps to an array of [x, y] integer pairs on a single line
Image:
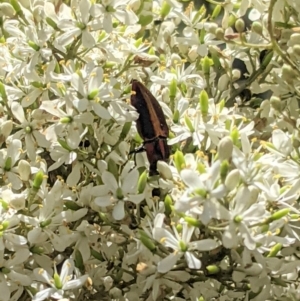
{"points": [[151, 125]]}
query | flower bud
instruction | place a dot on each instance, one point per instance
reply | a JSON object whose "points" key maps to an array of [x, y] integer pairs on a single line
{"points": [[7, 164], [232, 179], [7, 9], [275, 250], [192, 221], [66, 119], [34, 45], [219, 33], [203, 103], [296, 50], [145, 18], [93, 94], [15, 4], [224, 170], [206, 63], [176, 116], [72, 205], [24, 170], [216, 11], [288, 74], [146, 241], [212, 269], [236, 74], [276, 103], [168, 205], [189, 123], [52, 23], [179, 160], [38, 180], [142, 182], [294, 39], [173, 88], [239, 25], [235, 135], [6, 128], [165, 9], [277, 215], [257, 27], [225, 148], [164, 170]]}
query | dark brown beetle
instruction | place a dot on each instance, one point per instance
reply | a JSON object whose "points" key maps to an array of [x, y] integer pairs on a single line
{"points": [[151, 125]]}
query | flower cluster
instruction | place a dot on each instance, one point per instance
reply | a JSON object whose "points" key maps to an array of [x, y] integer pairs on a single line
{"points": [[82, 218]]}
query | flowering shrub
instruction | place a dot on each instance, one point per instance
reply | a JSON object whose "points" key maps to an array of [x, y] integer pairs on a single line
{"points": [[82, 218]]}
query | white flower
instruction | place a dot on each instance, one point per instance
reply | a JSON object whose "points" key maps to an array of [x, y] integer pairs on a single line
{"points": [[58, 283], [181, 244], [118, 192]]}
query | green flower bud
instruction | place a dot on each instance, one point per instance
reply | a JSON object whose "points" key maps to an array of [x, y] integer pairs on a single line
{"points": [[38, 180], [201, 167], [212, 269], [219, 33], [4, 225], [165, 9], [231, 20], [203, 103], [37, 250], [3, 91], [52, 23], [24, 170], [173, 88], [33, 45], [179, 160], [277, 215], [45, 223], [189, 123], [275, 250], [176, 116], [142, 182], [66, 119], [238, 219], [239, 25], [192, 221], [224, 170], [4, 204], [109, 65], [7, 164], [183, 247], [216, 12], [257, 27], [179, 228], [235, 135], [225, 148], [72, 205], [101, 36], [15, 4], [276, 103], [168, 205], [119, 194], [57, 282], [93, 94], [206, 64], [146, 241]]}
